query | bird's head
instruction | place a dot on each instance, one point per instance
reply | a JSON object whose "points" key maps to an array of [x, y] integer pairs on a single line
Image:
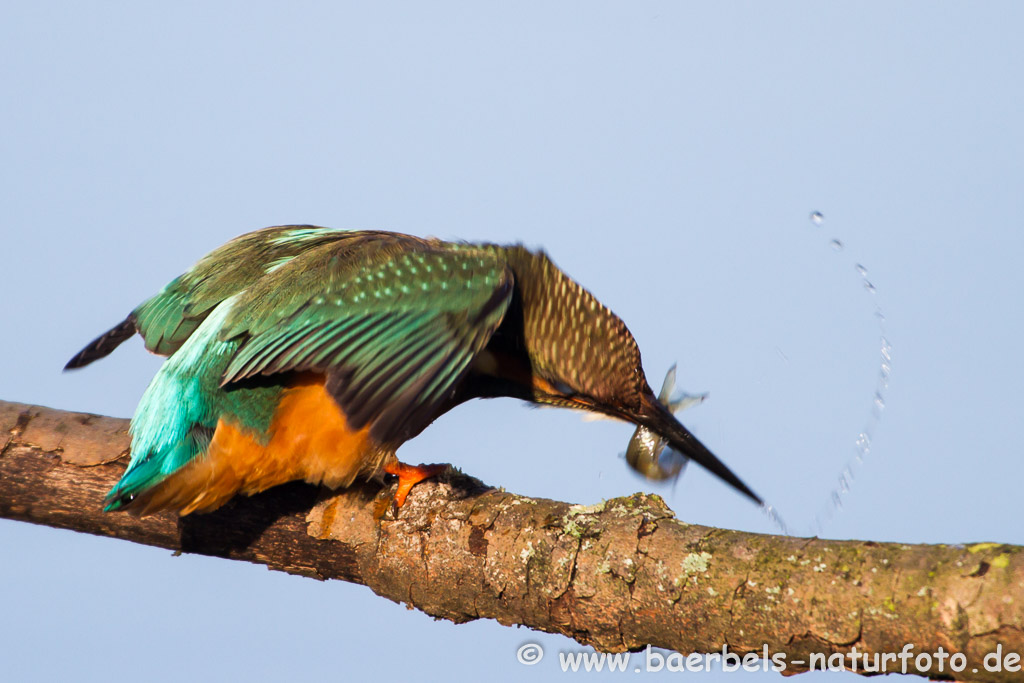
{"points": [[583, 356]]}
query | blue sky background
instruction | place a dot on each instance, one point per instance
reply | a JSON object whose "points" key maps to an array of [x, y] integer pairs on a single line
{"points": [[667, 155]]}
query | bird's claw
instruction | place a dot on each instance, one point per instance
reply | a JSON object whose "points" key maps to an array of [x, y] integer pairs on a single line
{"points": [[408, 476]]}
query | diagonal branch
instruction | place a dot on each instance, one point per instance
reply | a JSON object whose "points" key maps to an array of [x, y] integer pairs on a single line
{"points": [[619, 575]]}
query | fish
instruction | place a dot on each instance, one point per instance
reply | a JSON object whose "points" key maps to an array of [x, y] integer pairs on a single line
{"points": [[647, 453]]}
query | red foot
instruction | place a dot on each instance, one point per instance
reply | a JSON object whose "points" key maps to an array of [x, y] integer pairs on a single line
{"points": [[409, 476]]}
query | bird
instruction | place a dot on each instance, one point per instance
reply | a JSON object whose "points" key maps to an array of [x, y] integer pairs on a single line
{"points": [[300, 352]]}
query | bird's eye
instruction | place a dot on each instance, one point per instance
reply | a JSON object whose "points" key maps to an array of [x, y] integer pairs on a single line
{"points": [[563, 388]]}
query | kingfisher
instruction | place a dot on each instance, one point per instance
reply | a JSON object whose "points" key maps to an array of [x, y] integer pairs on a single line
{"points": [[300, 352]]}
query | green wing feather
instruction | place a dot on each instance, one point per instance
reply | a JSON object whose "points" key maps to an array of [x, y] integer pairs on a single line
{"points": [[394, 329], [168, 319]]}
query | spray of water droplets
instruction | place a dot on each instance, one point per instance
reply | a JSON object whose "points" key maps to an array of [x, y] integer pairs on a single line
{"points": [[772, 514], [862, 444]]}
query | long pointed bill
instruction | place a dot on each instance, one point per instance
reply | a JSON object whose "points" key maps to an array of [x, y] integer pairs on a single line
{"points": [[658, 419]]}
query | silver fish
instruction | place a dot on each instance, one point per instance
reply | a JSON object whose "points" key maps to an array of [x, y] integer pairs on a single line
{"points": [[646, 452]]}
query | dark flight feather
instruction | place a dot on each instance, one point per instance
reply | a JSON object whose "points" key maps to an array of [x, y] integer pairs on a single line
{"points": [[102, 345]]}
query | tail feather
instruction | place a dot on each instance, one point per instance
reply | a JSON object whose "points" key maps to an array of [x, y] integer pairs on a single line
{"points": [[102, 345], [144, 477]]}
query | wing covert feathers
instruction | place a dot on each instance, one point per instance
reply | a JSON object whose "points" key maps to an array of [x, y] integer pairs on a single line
{"points": [[394, 331]]}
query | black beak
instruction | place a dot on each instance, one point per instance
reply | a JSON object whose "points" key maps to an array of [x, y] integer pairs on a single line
{"points": [[657, 418]]}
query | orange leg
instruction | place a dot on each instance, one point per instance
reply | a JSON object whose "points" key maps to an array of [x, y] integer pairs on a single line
{"points": [[409, 476]]}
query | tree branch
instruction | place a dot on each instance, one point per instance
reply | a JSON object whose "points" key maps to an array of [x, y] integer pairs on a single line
{"points": [[619, 575]]}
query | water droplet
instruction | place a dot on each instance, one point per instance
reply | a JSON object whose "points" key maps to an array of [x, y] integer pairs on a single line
{"points": [[836, 245], [879, 401], [861, 269], [868, 286], [817, 217], [863, 444], [880, 315], [771, 513]]}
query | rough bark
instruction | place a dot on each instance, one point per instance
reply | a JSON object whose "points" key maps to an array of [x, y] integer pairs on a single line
{"points": [[618, 575]]}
